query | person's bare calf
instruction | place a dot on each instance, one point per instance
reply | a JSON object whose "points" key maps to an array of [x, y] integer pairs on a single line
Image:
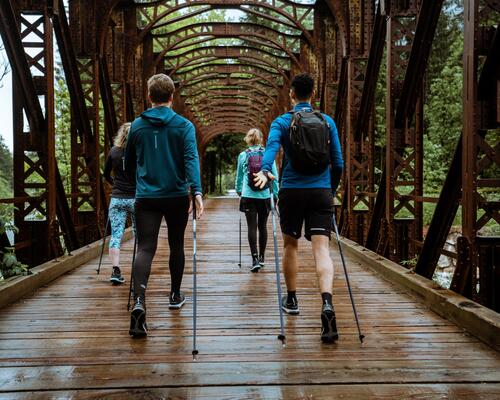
{"points": [[290, 267], [324, 264]]}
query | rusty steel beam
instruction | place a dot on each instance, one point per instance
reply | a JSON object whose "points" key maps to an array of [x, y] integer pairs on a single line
{"points": [[287, 9], [474, 272], [41, 138]]}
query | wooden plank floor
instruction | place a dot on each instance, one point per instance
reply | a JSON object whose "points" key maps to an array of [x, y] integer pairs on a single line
{"points": [[70, 339]]}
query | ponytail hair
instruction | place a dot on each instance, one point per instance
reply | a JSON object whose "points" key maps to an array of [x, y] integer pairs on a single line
{"points": [[254, 137], [121, 136]]}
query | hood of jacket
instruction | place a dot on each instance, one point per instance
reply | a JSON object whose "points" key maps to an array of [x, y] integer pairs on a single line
{"points": [[158, 116]]}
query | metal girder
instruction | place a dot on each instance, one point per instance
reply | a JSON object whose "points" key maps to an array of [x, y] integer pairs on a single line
{"points": [[35, 148], [227, 71], [225, 52], [231, 95], [243, 60], [221, 67], [269, 37], [294, 13], [229, 83], [476, 273]]}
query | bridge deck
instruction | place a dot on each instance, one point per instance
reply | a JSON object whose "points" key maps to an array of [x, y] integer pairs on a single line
{"points": [[71, 339]]}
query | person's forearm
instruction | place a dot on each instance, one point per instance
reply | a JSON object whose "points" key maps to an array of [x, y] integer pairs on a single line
{"points": [[272, 147], [336, 175]]}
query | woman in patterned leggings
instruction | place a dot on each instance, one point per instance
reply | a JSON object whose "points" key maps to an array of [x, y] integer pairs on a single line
{"points": [[122, 199]]}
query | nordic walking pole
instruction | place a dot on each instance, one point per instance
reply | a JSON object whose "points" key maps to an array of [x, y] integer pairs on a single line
{"points": [[132, 272], [281, 336], [195, 351], [240, 242], [103, 244], [334, 220]]}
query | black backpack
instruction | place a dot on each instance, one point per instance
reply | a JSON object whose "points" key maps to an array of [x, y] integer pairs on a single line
{"points": [[309, 142]]}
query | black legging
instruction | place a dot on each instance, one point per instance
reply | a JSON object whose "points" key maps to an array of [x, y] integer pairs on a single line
{"points": [[257, 219], [148, 215]]}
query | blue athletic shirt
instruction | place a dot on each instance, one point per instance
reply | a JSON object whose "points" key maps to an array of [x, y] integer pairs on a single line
{"points": [[291, 179], [241, 184]]}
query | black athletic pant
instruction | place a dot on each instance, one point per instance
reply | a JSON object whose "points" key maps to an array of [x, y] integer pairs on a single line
{"points": [[256, 211], [257, 220], [149, 214]]}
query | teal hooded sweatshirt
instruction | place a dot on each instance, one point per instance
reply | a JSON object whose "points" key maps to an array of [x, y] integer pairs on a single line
{"points": [[162, 154]]}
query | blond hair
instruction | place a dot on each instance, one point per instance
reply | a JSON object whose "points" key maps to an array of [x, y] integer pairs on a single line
{"points": [[160, 88], [254, 137], [121, 136]]}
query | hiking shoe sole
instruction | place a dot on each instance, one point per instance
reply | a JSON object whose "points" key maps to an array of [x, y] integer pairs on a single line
{"points": [[117, 281], [177, 306], [138, 327], [290, 311], [255, 268], [329, 332]]}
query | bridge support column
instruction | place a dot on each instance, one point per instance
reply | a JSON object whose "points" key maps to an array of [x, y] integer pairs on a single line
{"points": [[477, 275]]}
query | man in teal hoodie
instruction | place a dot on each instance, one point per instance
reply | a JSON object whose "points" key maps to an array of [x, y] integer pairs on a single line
{"points": [[162, 155]]}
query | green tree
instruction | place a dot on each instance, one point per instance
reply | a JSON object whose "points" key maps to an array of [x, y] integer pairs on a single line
{"points": [[63, 128], [6, 170], [443, 115]]}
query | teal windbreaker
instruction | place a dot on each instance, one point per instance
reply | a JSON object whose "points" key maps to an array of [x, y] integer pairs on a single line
{"points": [[241, 184], [162, 154]]}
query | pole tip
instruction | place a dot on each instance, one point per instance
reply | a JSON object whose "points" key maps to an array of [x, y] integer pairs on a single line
{"points": [[361, 337], [283, 339], [195, 353]]}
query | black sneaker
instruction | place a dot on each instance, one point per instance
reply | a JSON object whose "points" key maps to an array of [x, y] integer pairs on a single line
{"points": [[116, 276], [329, 332], [177, 300], [261, 260], [255, 264], [291, 307], [138, 327]]}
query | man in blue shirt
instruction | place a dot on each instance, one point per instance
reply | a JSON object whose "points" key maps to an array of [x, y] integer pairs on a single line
{"points": [[162, 157], [305, 199]]}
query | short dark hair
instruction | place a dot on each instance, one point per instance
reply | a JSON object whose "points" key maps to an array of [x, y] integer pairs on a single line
{"points": [[160, 88], [303, 86]]}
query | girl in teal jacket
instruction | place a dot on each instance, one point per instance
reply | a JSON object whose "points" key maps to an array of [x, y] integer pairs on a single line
{"points": [[254, 203]]}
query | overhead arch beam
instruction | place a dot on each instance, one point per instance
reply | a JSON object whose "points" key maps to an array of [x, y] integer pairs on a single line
{"points": [[227, 72], [280, 7], [205, 96], [229, 83], [224, 52], [252, 58], [173, 39], [246, 89], [217, 66], [201, 43]]}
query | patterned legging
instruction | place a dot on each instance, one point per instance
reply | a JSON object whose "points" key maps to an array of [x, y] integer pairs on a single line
{"points": [[118, 211]]}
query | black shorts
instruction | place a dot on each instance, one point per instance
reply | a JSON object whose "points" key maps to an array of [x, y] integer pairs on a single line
{"points": [[312, 206], [260, 206]]}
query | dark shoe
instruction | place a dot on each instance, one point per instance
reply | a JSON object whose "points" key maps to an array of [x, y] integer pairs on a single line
{"points": [[261, 260], [177, 300], [329, 332], [138, 327], [290, 307], [116, 276], [255, 264]]}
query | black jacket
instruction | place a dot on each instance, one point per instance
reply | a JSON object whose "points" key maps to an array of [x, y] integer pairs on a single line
{"points": [[123, 188]]}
